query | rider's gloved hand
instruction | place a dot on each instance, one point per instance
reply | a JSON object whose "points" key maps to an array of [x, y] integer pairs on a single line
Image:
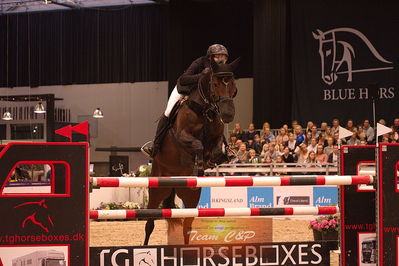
{"points": [[206, 70]]}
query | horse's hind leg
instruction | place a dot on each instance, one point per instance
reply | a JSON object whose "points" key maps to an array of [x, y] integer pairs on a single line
{"points": [[190, 199], [156, 196]]}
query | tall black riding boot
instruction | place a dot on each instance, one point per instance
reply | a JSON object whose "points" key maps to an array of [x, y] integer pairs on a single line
{"points": [[161, 129]]}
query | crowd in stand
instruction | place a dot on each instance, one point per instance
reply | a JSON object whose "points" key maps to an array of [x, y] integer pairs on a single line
{"points": [[311, 145]]}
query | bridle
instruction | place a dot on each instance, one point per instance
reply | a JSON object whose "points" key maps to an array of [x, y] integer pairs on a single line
{"points": [[211, 106]]}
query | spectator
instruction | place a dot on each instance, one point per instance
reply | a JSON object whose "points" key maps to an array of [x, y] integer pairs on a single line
{"points": [[330, 146], [252, 157], [313, 145], [311, 158], [323, 127], [321, 157], [333, 157], [265, 149], [353, 140], [382, 122], [238, 144], [309, 126], [369, 131], [308, 138], [395, 126], [335, 127], [282, 137], [287, 156], [257, 144], [267, 159], [322, 139], [349, 125], [242, 154], [294, 123], [251, 132], [268, 135], [285, 126], [363, 143], [363, 137], [237, 131], [291, 142], [301, 152], [385, 138], [315, 132], [264, 126], [272, 153], [300, 136]]}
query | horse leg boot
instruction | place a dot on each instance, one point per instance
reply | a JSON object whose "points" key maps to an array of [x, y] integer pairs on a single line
{"points": [[161, 129]]}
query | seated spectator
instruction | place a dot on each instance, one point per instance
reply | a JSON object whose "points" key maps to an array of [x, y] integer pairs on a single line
{"points": [[264, 126], [282, 137], [323, 127], [335, 127], [285, 126], [268, 135], [308, 138], [237, 131], [309, 126], [237, 145], [251, 132], [257, 144], [353, 139], [301, 152], [272, 153], [313, 145], [300, 136], [279, 149], [322, 139], [232, 140], [287, 156], [321, 157], [291, 144], [294, 123], [311, 159], [363, 143], [349, 125], [267, 159], [315, 132], [265, 149], [242, 154], [369, 131], [385, 139], [395, 126], [330, 144], [333, 157], [252, 157], [362, 137]]}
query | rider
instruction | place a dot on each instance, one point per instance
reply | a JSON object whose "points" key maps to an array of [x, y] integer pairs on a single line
{"points": [[185, 83]]}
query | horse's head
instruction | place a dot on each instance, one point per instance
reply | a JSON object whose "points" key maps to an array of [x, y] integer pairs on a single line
{"points": [[223, 88], [327, 51]]}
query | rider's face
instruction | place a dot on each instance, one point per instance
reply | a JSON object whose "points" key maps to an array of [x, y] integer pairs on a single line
{"points": [[220, 58]]}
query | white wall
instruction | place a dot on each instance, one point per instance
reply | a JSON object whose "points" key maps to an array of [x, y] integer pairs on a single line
{"points": [[130, 109]]}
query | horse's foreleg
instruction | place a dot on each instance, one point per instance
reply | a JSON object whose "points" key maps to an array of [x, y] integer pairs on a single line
{"points": [[155, 197], [193, 146]]}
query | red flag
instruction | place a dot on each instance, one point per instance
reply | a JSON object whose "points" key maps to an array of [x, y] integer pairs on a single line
{"points": [[82, 128], [65, 131]]}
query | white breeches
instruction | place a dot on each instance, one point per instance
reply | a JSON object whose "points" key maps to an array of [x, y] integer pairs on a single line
{"points": [[173, 98]]}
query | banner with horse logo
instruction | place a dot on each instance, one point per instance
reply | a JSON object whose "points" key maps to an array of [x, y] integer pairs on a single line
{"points": [[344, 54]]}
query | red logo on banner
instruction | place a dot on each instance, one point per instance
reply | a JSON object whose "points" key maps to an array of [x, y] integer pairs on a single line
{"points": [[38, 217]]}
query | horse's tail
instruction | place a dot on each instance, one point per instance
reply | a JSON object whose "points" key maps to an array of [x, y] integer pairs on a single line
{"points": [[169, 203]]}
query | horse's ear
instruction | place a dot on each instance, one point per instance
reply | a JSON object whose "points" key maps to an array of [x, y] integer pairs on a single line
{"points": [[318, 34], [214, 66], [233, 65]]}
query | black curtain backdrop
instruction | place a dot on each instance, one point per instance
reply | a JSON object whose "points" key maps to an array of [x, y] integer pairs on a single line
{"points": [[196, 24], [126, 44], [272, 63]]}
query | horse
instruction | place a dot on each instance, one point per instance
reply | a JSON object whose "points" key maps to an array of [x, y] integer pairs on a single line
{"points": [[195, 140]]}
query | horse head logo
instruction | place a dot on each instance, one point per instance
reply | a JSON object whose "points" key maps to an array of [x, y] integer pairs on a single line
{"points": [[145, 259], [38, 215], [337, 54]]}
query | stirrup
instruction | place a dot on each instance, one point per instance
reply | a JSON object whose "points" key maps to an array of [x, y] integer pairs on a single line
{"points": [[147, 150]]}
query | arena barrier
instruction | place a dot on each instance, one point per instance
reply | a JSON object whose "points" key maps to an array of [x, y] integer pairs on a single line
{"points": [[231, 181], [209, 212]]}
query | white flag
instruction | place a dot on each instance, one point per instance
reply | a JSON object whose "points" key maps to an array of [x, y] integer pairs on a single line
{"points": [[343, 133], [381, 129]]}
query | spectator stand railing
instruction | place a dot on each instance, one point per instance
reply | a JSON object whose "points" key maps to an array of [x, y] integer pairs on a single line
{"points": [[272, 169]]}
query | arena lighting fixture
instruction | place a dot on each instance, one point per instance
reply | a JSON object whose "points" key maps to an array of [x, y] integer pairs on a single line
{"points": [[39, 108], [98, 113], [7, 116]]}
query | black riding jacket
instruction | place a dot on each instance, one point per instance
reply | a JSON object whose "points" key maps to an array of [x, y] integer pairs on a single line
{"points": [[191, 76]]}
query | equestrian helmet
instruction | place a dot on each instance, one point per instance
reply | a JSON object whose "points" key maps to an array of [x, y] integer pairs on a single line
{"points": [[217, 49]]}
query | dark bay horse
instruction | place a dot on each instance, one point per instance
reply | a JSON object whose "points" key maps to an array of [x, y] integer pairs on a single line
{"points": [[195, 140]]}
